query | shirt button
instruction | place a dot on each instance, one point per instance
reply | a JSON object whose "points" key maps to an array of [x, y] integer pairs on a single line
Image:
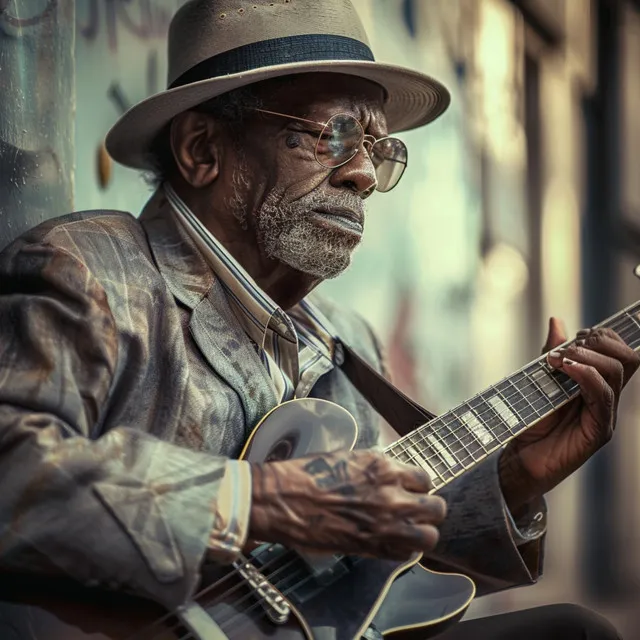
{"points": [[338, 354]]}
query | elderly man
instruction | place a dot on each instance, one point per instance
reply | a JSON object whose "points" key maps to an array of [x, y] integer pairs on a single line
{"points": [[138, 354]]}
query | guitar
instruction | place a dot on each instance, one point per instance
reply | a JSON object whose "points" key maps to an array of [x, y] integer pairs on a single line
{"points": [[279, 594]]}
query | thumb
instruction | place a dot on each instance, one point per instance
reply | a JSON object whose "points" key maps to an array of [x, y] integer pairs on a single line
{"points": [[555, 336]]}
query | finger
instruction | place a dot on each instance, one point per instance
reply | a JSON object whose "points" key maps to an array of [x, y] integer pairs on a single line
{"points": [[609, 343], [609, 368], [408, 538], [414, 479], [430, 510], [597, 396], [556, 334]]}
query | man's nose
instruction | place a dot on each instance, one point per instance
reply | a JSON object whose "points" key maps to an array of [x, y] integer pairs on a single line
{"points": [[358, 174]]}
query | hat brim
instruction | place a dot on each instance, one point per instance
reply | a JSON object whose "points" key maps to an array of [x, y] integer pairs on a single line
{"points": [[413, 100]]}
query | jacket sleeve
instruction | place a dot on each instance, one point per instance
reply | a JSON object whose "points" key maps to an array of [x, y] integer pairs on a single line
{"points": [[119, 509], [479, 537]]}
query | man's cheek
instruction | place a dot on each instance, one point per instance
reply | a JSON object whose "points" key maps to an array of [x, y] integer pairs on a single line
{"points": [[305, 187]]}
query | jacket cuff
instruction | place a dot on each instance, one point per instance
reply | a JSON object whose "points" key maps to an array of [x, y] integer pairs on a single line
{"points": [[233, 506], [530, 526]]}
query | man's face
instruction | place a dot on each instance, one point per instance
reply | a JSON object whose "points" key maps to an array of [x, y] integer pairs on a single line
{"points": [[306, 216]]}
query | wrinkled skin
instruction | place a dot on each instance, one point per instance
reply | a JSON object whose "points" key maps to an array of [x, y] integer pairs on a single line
{"points": [[258, 197], [360, 503]]}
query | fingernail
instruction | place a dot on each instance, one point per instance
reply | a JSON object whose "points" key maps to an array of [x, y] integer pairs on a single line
{"points": [[556, 354], [580, 342], [567, 362]]}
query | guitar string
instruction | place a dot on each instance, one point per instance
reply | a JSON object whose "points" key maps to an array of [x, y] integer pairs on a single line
{"points": [[490, 410], [200, 594], [413, 444], [259, 601], [258, 605], [432, 430], [541, 391], [436, 452], [538, 391]]}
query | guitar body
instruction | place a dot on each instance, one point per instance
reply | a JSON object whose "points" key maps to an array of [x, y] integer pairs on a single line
{"points": [[326, 599]]}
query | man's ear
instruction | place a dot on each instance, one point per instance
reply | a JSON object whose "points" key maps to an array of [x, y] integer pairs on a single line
{"points": [[196, 146]]}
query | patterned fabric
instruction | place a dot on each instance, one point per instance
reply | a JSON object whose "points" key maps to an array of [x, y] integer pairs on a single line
{"points": [[127, 384], [296, 348]]}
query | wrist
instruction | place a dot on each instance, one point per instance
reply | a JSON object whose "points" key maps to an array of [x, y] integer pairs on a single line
{"points": [[515, 483], [257, 516]]}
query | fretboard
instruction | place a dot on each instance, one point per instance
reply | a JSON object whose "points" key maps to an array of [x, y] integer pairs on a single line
{"points": [[455, 442]]}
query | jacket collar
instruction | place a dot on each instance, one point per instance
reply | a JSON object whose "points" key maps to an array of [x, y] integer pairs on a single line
{"points": [[213, 325], [182, 266]]}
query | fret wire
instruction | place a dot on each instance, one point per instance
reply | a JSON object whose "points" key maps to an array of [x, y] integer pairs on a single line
{"points": [[480, 414], [492, 409], [462, 428], [463, 424], [627, 328], [549, 372], [439, 433], [454, 432], [611, 324], [633, 319], [434, 434], [555, 380], [510, 381], [504, 399], [524, 396], [435, 453], [539, 388], [543, 369], [426, 459], [413, 456]]}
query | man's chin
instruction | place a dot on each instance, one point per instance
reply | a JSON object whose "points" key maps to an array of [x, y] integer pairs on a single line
{"points": [[328, 270], [322, 265], [314, 248]]}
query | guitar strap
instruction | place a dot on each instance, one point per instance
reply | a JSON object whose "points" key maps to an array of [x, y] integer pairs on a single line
{"points": [[402, 413]]}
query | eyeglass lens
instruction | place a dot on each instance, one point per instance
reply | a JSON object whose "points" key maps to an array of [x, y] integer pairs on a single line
{"points": [[340, 141]]}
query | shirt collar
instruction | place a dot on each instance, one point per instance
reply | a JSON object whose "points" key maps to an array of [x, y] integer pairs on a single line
{"points": [[259, 311]]}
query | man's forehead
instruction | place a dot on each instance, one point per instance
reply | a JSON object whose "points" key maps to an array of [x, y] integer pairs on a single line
{"points": [[319, 91]]}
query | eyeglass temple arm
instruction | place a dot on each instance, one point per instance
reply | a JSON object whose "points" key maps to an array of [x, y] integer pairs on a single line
{"points": [[285, 115]]}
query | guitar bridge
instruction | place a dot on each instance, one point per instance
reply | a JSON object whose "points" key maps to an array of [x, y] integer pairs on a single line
{"points": [[275, 606]]}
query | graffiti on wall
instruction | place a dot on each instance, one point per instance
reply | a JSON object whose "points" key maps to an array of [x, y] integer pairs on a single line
{"points": [[142, 19], [32, 14]]}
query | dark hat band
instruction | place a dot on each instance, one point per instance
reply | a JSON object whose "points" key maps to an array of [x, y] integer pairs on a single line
{"points": [[304, 48]]}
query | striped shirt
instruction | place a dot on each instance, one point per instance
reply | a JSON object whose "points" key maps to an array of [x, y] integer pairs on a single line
{"points": [[295, 347]]}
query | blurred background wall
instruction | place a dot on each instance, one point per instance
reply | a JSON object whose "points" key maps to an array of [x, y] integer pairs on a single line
{"points": [[520, 203]]}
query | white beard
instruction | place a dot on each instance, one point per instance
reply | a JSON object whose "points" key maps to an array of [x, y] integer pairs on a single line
{"points": [[291, 235]]}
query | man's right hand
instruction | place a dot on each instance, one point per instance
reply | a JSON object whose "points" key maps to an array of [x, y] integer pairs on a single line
{"points": [[357, 502]]}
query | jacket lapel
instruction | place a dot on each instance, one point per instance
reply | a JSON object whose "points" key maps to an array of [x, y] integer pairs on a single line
{"points": [[213, 324]]}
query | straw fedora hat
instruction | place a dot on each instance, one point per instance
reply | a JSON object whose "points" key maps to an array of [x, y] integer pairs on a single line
{"points": [[216, 46]]}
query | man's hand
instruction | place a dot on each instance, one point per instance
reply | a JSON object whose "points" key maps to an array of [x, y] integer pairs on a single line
{"points": [[358, 502], [535, 462]]}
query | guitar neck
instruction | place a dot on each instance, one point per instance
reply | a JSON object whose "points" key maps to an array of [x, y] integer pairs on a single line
{"points": [[448, 446]]}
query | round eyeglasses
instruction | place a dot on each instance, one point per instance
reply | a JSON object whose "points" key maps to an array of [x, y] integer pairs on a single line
{"points": [[341, 138]]}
